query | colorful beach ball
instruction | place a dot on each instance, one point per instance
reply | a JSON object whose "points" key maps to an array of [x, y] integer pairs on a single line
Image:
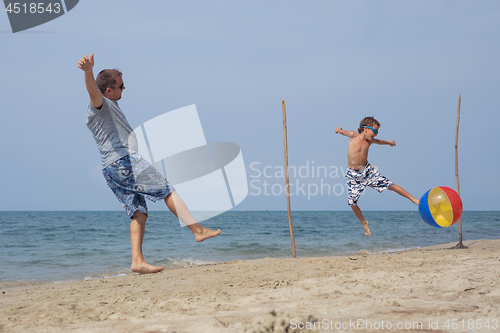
{"points": [[440, 207]]}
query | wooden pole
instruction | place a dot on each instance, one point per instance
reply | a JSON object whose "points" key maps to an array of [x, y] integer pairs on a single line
{"points": [[460, 245], [287, 182]]}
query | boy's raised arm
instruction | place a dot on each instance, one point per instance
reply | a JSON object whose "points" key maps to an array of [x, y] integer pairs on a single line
{"points": [[339, 130], [86, 65], [383, 142]]}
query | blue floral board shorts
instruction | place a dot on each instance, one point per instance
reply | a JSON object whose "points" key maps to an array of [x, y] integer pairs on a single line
{"points": [[357, 180], [132, 179]]}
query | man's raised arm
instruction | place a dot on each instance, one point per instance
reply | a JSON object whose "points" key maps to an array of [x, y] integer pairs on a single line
{"points": [[86, 65]]}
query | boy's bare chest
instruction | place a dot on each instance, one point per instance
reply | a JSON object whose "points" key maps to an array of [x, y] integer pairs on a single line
{"points": [[358, 145]]}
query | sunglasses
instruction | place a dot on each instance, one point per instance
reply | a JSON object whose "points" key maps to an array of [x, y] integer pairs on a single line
{"points": [[375, 131], [120, 87]]}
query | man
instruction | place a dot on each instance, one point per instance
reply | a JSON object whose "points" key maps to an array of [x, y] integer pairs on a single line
{"points": [[130, 177]]}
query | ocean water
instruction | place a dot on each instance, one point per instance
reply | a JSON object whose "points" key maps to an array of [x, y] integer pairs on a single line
{"points": [[61, 246]]}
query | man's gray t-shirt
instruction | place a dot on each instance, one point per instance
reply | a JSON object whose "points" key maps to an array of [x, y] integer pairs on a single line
{"points": [[112, 132]]}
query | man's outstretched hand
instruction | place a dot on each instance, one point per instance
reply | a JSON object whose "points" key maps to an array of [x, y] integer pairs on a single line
{"points": [[86, 64]]}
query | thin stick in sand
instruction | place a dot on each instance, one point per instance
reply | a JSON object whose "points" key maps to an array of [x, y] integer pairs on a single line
{"points": [[460, 245], [287, 182]]}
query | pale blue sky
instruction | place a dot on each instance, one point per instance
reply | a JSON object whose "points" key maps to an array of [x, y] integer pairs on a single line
{"points": [[333, 62]]}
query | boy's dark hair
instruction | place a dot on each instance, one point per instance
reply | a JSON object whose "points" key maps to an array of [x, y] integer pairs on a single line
{"points": [[367, 121], [107, 79]]}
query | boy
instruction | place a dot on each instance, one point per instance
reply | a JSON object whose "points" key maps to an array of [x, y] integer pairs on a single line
{"points": [[130, 177], [360, 173]]}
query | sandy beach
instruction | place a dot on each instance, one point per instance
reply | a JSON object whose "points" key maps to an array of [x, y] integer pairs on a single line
{"points": [[433, 289]]}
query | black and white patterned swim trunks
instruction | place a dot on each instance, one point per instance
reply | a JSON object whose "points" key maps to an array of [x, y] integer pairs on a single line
{"points": [[357, 180]]}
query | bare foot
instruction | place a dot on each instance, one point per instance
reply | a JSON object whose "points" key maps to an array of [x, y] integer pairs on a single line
{"points": [[206, 233], [145, 268], [365, 226]]}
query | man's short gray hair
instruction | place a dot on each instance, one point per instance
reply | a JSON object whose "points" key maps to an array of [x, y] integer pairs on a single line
{"points": [[107, 79]]}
